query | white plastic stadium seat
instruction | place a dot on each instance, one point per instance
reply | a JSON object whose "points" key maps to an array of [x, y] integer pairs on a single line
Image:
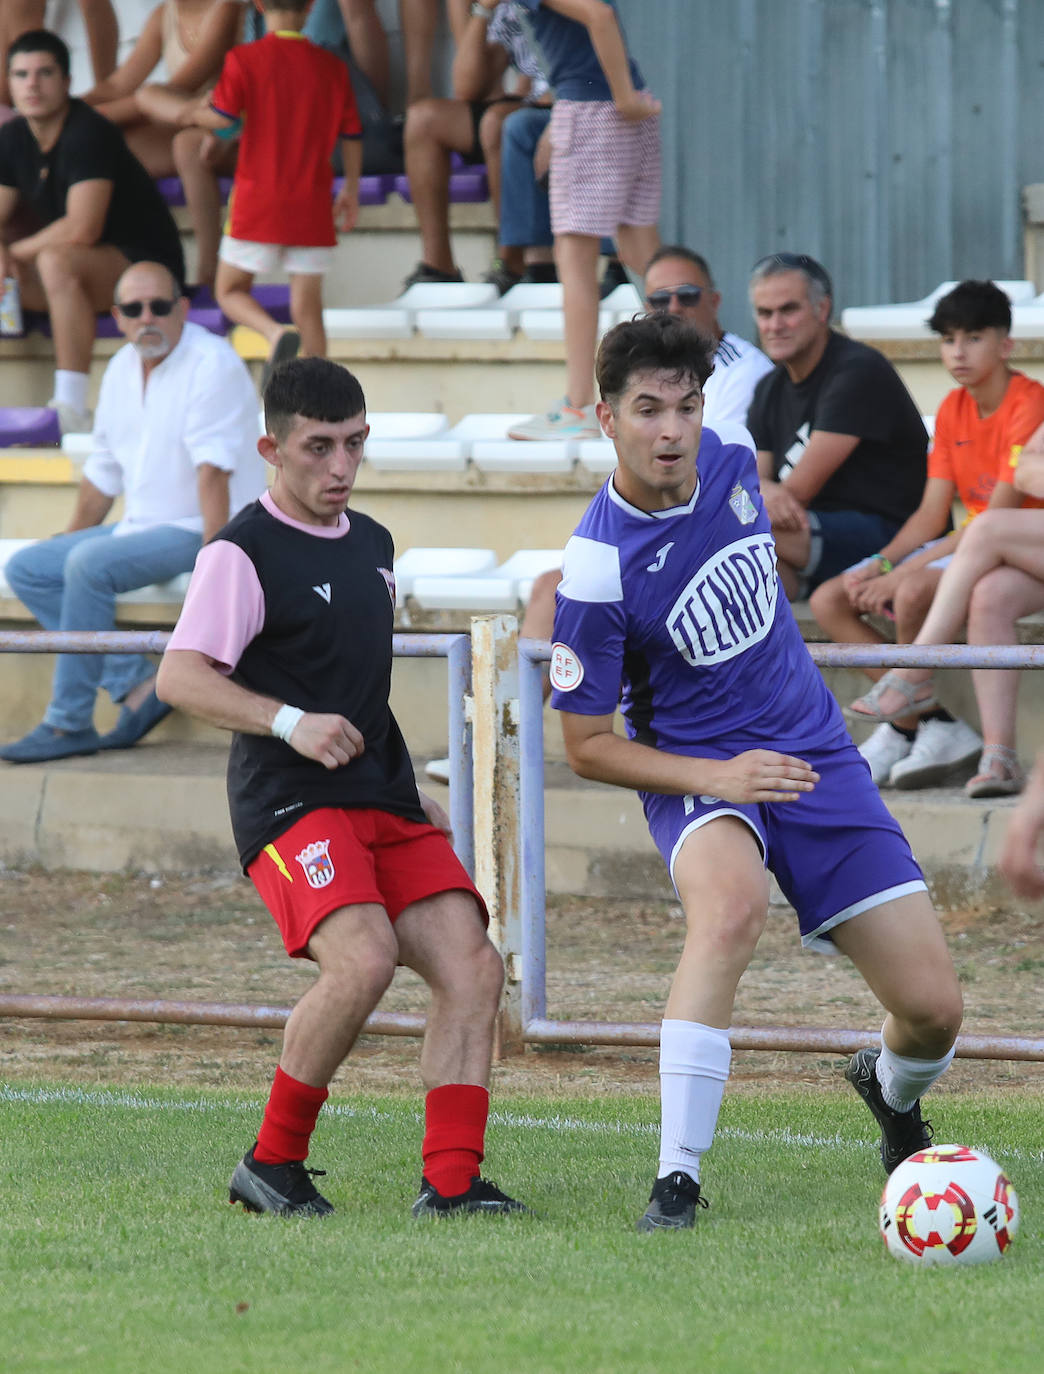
{"points": [[929, 423], [503, 589], [549, 325], [625, 300], [492, 450], [496, 319], [8, 548], [166, 593], [413, 441], [909, 319], [368, 322], [78, 445], [597, 455], [421, 562]]}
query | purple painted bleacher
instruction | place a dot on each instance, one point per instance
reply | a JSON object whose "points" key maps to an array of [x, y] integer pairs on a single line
{"points": [[467, 186], [28, 427], [373, 190]]}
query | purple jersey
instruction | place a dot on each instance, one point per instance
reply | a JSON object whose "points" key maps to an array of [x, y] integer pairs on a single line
{"points": [[679, 615]]}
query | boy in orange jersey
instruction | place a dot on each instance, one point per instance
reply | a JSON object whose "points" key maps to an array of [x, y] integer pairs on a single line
{"points": [[979, 431], [293, 101]]}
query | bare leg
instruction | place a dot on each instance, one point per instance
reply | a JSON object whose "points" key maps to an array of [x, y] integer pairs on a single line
{"points": [[233, 295], [369, 44], [635, 244], [900, 950], [577, 259], [152, 145], [998, 600], [103, 36], [837, 617], [16, 17], [356, 952], [419, 19], [442, 938], [202, 196], [75, 284], [434, 128], [539, 619], [490, 127], [306, 311]]}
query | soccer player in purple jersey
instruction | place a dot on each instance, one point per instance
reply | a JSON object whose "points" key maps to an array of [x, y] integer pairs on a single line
{"points": [[670, 603]]}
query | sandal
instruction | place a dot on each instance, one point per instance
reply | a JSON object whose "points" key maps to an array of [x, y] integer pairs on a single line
{"points": [[999, 775], [866, 707]]}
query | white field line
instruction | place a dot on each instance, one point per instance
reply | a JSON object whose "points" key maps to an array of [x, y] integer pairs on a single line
{"points": [[109, 1098]]}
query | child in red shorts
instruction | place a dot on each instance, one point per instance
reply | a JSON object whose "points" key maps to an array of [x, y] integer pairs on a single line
{"points": [[293, 101]]}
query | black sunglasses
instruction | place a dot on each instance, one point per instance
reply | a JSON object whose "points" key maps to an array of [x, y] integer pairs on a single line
{"points": [[802, 263], [688, 296], [133, 309]]}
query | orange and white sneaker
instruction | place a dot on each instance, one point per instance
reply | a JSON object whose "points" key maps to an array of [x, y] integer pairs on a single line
{"points": [[567, 422]]}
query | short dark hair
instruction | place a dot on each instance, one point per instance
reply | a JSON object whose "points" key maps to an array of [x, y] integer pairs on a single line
{"points": [[675, 250], [972, 305], [313, 387], [817, 278], [651, 343], [41, 40]]}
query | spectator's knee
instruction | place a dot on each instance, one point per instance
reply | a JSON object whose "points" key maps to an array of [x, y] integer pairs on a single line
{"points": [[914, 594], [490, 131], [185, 147], [55, 266], [827, 600], [422, 122]]}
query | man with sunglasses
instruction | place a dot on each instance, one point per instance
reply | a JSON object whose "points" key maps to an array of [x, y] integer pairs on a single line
{"points": [[842, 450], [76, 209], [679, 281], [176, 436]]}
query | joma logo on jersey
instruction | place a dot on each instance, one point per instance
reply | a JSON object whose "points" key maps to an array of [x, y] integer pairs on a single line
{"points": [[729, 605]]}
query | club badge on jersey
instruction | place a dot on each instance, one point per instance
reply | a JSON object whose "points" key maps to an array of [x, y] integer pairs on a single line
{"points": [[742, 506]]}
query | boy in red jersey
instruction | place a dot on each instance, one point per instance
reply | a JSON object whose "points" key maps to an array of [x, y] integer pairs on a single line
{"points": [[292, 100]]}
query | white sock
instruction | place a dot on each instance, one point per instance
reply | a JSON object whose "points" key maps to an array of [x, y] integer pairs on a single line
{"points": [[694, 1066], [70, 389], [904, 1080]]}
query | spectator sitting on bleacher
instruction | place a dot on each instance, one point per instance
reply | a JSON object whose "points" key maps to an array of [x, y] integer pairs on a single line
{"points": [[21, 16], [176, 435], [605, 182], [979, 431], [841, 445], [419, 20], [88, 209], [470, 124], [293, 101]]}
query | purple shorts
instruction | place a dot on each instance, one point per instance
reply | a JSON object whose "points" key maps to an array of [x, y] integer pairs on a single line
{"points": [[835, 853], [605, 171]]}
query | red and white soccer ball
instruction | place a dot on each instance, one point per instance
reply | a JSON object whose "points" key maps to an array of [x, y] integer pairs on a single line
{"points": [[948, 1205]]}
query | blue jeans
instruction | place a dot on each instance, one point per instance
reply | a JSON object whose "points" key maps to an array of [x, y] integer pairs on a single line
{"points": [[70, 582], [525, 216]]}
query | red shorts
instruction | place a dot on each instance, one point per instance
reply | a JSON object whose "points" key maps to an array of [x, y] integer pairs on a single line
{"points": [[342, 857]]}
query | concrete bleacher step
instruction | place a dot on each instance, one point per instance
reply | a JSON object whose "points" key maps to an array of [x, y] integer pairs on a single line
{"points": [[163, 807]]}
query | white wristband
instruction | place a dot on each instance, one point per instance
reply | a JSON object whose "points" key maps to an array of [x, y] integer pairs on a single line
{"points": [[285, 722]]}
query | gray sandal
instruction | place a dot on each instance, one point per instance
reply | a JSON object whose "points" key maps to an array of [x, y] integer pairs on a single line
{"points": [[1007, 782], [913, 705]]}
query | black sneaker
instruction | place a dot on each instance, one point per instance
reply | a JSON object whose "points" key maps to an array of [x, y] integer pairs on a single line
{"points": [[902, 1133], [540, 274], [482, 1196], [422, 273], [615, 275], [285, 1189], [502, 277], [672, 1203]]}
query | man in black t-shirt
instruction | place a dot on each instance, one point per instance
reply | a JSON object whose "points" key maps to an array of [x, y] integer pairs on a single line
{"points": [[76, 209], [841, 445], [286, 639]]}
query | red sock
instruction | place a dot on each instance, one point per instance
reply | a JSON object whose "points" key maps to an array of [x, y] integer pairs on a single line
{"points": [[289, 1120], [454, 1136]]}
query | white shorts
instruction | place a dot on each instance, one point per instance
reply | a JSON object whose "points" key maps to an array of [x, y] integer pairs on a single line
{"points": [[266, 257]]}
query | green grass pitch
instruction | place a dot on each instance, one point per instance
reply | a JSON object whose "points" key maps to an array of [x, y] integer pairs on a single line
{"points": [[119, 1252]]}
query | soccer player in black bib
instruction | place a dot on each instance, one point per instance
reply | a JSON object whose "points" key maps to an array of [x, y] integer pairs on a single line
{"points": [[286, 639]]}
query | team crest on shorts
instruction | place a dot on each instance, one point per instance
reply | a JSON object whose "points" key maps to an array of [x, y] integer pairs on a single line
{"points": [[742, 506], [317, 864]]}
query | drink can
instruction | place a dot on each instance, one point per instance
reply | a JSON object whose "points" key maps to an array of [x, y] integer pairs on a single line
{"points": [[11, 308]]}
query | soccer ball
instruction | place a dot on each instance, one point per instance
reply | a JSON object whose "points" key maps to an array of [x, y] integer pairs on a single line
{"points": [[948, 1205]]}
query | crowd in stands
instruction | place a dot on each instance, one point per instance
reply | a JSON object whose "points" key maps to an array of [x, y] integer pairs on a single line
{"points": [[545, 94]]}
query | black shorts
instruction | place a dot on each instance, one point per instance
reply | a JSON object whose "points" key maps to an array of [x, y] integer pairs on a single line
{"points": [[478, 108]]}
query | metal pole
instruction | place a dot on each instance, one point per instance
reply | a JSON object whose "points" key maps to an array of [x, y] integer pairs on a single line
{"points": [[531, 838], [462, 782], [494, 647]]}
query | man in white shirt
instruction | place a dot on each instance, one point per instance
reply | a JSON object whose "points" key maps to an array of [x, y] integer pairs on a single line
{"points": [[176, 435], [679, 281]]}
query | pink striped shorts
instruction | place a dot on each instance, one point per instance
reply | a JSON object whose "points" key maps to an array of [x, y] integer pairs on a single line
{"points": [[605, 171]]}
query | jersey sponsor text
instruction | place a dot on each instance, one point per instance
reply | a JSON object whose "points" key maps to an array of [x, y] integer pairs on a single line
{"points": [[729, 605]]}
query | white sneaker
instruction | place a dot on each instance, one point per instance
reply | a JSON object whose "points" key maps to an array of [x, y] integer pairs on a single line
{"points": [[944, 751], [438, 770], [71, 420], [883, 750], [567, 422]]}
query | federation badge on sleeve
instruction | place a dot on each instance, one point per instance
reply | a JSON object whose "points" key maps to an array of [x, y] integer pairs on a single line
{"points": [[742, 506], [567, 672], [317, 864]]}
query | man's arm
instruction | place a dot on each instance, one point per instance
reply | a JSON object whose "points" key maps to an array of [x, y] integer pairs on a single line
{"points": [[478, 64], [165, 102], [600, 21], [783, 508], [114, 95], [92, 506], [595, 751], [824, 453], [86, 207], [212, 487], [191, 682]]}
